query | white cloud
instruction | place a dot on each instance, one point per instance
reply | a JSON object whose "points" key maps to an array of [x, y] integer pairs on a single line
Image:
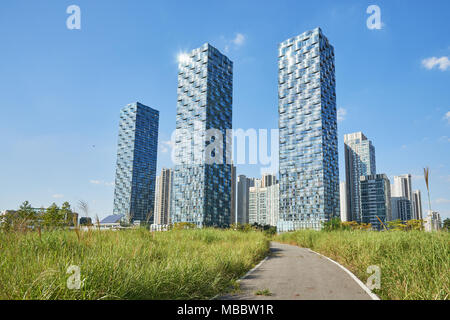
{"points": [[239, 39], [341, 113], [447, 117], [444, 139], [441, 200], [166, 145], [169, 143], [101, 182], [235, 43], [443, 63], [58, 196]]}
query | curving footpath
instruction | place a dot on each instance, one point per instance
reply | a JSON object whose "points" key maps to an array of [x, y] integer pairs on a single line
{"points": [[294, 273]]}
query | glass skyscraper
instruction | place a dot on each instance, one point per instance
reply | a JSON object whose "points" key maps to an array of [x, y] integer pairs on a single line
{"points": [[309, 171], [375, 193], [202, 174], [359, 161], [134, 193]]}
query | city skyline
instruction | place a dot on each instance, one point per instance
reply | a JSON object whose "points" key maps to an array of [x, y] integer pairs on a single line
{"points": [[64, 141]]}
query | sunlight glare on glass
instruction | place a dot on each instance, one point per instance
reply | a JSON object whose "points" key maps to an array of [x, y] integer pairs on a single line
{"points": [[183, 58]]}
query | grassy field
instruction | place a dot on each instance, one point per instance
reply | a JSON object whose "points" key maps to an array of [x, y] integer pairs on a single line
{"points": [[131, 264], [414, 264]]}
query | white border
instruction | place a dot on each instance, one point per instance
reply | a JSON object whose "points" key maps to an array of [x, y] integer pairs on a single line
{"points": [[361, 284]]}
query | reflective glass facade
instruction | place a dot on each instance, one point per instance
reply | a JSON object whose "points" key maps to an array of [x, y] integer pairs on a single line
{"points": [[375, 194], [309, 172], [201, 189], [134, 193], [359, 161]]}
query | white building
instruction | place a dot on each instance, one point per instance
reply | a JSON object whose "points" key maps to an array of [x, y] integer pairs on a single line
{"points": [[432, 222], [343, 200], [163, 197], [402, 187], [264, 204], [159, 227], [273, 204], [417, 204]]}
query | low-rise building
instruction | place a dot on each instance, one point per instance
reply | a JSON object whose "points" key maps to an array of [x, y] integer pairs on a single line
{"points": [[111, 222]]}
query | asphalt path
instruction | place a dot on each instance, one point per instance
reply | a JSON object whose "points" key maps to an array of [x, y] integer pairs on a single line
{"points": [[294, 273]]}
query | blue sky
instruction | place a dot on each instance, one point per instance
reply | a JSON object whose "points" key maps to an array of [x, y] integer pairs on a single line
{"points": [[61, 90]]}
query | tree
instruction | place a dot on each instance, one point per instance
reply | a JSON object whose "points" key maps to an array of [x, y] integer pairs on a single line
{"points": [[332, 224], [23, 219], [53, 217], [414, 224], [183, 225], [396, 225], [70, 217], [447, 224]]}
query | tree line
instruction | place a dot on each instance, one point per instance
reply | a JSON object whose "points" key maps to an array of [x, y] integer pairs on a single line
{"points": [[29, 218]]}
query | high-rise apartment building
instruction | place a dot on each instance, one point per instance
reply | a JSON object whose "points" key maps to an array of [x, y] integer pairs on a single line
{"points": [[359, 161], [268, 179], [417, 204], [401, 209], [243, 189], [233, 195], [257, 208], [202, 173], [375, 194], [273, 204], [264, 204], [343, 201], [402, 187], [134, 192], [308, 144], [163, 197]]}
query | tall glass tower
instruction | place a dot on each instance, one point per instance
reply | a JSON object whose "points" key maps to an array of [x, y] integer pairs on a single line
{"points": [[359, 161], [309, 171], [202, 172], [134, 193]]}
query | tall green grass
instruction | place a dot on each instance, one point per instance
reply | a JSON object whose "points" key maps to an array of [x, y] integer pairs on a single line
{"points": [[131, 264], [414, 264]]}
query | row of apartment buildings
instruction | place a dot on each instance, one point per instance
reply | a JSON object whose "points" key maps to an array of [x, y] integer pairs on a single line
{"points": [[202, 188]]}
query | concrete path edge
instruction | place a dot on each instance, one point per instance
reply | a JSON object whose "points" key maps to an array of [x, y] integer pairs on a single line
{"points": [[361, 284]]}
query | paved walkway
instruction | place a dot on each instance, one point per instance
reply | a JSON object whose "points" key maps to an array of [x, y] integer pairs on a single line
{"points": [[293, 273]]}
